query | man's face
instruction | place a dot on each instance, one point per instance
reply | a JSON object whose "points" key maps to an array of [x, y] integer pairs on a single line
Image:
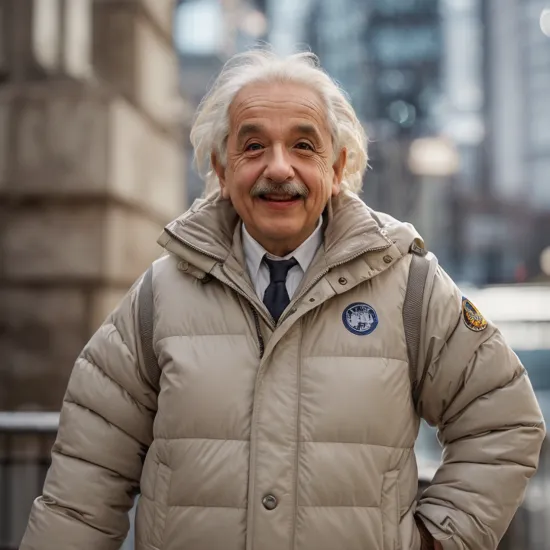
{"points": [[281, 168]]}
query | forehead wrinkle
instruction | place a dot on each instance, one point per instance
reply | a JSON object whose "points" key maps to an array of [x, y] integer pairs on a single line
{"points": [[262, 99], [244, 104], [247, 105]]}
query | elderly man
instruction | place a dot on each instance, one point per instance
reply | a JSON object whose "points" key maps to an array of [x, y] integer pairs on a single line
{"points": [[283, 410]]}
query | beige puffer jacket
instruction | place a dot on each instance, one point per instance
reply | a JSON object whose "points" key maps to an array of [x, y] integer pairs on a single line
{"points": [[297, 436]]}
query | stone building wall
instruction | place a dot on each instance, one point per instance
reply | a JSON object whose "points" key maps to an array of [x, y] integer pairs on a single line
{"points": [[91, 167]]}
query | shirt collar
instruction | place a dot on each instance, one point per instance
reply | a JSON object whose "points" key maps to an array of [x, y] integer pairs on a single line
{"points": [[254, 252]]}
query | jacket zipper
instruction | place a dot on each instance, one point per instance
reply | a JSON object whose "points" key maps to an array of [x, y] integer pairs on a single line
{"points": [[258, 331]]}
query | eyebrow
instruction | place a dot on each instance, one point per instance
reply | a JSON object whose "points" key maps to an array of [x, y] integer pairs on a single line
{"points": [[308, 130], [246, 129], [251, 128]]}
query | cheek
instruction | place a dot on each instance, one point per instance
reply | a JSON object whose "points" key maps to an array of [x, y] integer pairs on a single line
{"points": [[246, 173], [236, 162], [319, 177], [322, 167]]}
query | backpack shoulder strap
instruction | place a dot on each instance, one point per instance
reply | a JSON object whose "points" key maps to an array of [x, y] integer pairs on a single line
{"points": [[146, 310], [412, 313]]}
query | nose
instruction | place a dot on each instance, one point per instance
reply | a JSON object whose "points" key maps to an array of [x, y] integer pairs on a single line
{"points": [[279, 167]]}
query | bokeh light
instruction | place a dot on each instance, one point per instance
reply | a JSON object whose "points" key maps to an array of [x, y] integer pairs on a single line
{"points": [[545, 21], [545, 261], [435, 157]]}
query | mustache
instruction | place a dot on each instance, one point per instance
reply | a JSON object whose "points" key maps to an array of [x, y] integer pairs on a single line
{"points": [[292, 188]]}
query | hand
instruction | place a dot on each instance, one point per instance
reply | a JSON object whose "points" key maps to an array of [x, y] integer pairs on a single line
{"points": [[427, 541]]}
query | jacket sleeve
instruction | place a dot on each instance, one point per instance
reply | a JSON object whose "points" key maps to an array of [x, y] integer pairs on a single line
{"points": [[104, 433], [489, 423]]}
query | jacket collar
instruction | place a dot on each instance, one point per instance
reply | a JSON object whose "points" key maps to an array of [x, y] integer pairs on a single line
{"points": [[209, 233]]}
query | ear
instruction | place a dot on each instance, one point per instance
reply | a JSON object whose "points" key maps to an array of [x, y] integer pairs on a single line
{"points": [[219, 168], [338, 171]]}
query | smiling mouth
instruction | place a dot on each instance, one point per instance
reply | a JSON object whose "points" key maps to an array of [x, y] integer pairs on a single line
{"points": [[280, 198]]}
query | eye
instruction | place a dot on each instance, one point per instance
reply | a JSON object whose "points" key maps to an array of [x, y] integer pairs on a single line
{"points": [[304, 146], [254, 147]]}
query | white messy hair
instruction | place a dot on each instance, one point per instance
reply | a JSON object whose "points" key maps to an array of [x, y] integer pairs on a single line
{"points": [[211, 127]]}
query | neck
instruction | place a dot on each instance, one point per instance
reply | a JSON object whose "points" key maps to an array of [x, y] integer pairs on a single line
{"points": [[280, 247], [280, 251]]}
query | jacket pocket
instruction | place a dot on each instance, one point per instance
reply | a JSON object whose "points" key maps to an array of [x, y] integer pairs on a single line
{"points": [[389, 508], [162, 486]]}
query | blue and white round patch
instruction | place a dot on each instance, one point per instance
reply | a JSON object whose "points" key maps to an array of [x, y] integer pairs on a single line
{"points": [[360, 318]]}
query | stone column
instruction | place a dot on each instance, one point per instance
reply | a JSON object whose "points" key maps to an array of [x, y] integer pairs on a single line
{"points": [[91, 167]]}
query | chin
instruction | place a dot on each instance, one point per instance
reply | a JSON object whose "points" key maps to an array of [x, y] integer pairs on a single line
{"points": [[281, 229]]}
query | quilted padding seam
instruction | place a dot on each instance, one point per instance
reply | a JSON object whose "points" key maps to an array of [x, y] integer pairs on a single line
{"points": [[87, 359], [189, 336], [95, 413]]}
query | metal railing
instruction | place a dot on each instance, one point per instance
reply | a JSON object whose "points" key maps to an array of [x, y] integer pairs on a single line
{"points": [[26, 439], [25, 443]]}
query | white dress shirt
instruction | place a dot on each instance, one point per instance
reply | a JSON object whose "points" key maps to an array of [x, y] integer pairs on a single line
{"points": [[254, 254]]}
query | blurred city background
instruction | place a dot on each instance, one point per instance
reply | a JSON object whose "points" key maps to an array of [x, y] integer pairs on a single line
{"points": [[97, 98]]}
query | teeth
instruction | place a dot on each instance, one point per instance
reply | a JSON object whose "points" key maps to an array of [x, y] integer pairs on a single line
{"points": [[279, 197]]}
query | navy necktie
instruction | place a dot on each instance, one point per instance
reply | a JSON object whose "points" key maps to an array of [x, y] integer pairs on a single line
{"points": [[276, 297]]}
